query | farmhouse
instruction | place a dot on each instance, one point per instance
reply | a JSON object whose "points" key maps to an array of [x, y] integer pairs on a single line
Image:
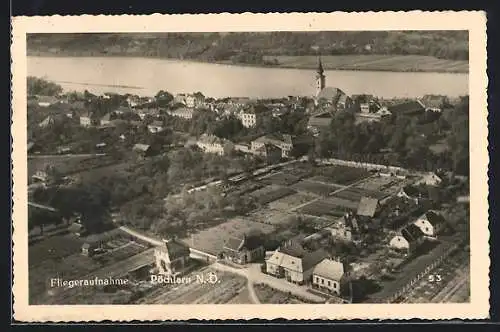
{"points": [[294, 263], [330, 275], [172, 257], [78, 229], [252, 116], [245, 249], [408, 240], [345, 229], [214, 144], [284, 142], [430, 223]]}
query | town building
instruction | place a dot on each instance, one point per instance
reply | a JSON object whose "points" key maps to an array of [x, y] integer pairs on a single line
{"points": [[156, 127], [171, 258], [408, 240], [345, 229], [86, 119], [330, 275], [319, 122], [122, 110], [430, 223], [408, 108], [252, 116], [293, 263], [213, 144], [143, 150], [434, 103], [430, 179], [190, 100], [46, 101], [271, 153], [183, 112], [284, 142], [245, 249]]}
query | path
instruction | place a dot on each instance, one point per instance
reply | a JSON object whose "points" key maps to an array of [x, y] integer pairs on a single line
{"points": [[255, 276], [41, 156], [145, 238]]}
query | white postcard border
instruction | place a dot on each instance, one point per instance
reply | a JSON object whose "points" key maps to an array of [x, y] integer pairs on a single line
{"points": [[475, 22]]}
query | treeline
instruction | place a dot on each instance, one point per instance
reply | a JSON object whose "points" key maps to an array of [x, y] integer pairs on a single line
{"points": [[250, 47], [39, 86]]}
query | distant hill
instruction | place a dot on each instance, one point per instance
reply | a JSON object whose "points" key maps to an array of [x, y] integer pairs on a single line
{"points": [[252, 47]]}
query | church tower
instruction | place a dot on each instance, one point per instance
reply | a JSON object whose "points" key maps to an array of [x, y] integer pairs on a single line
{"points": [[320, 78]]}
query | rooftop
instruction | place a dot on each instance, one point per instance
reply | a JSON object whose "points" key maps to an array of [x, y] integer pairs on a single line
{"points": [[330, 269], [367, 206]]}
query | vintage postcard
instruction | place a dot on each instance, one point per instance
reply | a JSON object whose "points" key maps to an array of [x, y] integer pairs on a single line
{"points": [[237, 166]]}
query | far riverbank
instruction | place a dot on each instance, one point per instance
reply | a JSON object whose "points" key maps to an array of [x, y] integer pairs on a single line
{"points": [[372, 62]]}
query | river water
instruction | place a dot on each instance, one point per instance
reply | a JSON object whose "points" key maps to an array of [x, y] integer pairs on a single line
{"points": [[146, 76]]}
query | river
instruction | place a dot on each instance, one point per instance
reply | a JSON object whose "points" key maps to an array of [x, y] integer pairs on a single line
{"points": [[146, 76]]}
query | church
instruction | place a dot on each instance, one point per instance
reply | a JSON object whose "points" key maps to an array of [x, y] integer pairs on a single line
{"points": [[329, 96]]}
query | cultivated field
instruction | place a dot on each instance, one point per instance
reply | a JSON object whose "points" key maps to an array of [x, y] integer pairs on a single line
{"points": [[355, 194], [342, 175], [270, 216], [315, 188], [271, 193], [282, 179], [211, 240], [323, 208], [289, 202], [375, 62]]}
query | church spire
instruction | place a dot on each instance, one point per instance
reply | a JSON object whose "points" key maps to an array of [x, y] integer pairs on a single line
{"points": [[320, 78], [320, 66]]}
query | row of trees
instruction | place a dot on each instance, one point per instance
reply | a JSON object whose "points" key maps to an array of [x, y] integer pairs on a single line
{"points": [[38, 86]]}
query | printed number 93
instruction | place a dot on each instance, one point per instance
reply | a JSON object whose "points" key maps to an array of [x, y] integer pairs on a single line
{"points": [[434, 278]]}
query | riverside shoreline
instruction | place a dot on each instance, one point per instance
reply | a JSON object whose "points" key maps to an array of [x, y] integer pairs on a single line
{"points": [[304, 66]]}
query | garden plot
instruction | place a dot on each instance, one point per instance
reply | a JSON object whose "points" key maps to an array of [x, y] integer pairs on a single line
{"points": [[315, 188], [379, 183], [291, 201], [271, 193], [272, 217], [342, 175], [281, 179], [325, 180], [323, 208], [211, 240], [355, 194]]}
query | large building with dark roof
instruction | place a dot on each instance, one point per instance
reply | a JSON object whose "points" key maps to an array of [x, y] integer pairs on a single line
{"points": [[245, 249]]}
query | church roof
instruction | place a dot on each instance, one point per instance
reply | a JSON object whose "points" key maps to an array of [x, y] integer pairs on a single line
{"points": [[330, 93]]}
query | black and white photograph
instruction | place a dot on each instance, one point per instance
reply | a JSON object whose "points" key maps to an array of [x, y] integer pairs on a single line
{"points": [[304, 167]]}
